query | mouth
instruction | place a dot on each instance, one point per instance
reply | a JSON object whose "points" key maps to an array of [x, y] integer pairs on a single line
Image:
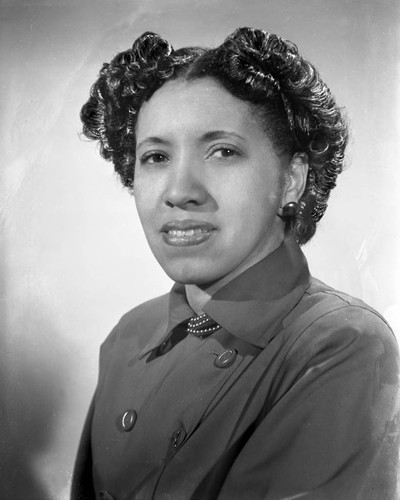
{"points": [[187, 232]]}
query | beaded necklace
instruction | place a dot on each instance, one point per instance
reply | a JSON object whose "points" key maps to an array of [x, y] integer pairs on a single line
{"points": [[202, 326]]}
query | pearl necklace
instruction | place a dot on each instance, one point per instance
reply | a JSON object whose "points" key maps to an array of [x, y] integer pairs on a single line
{"points": [[202, 326]]}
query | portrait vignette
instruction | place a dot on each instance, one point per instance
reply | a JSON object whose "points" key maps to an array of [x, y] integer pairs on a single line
{"points": [[74, 256]]}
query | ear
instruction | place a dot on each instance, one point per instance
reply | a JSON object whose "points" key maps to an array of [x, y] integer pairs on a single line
{"points": [[295, 179]]}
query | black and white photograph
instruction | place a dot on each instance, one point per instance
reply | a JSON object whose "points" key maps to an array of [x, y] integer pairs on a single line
{"points": [[200, 227]]}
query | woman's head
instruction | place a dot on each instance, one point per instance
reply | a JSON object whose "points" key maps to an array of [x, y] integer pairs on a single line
{"points": [[209, 182], [294, 107]]}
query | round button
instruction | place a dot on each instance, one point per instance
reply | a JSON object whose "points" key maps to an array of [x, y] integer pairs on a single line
{"points": [[128, 420], [227, 358]]}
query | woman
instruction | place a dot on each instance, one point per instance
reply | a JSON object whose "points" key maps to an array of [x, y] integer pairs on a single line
{"points": [[251, 379]]}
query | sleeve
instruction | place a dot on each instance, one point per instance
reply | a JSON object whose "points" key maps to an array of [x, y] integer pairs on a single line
{"points": [[332, 431], [82, 480]]}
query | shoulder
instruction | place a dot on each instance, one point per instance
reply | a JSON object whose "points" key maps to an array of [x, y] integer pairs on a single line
{"points": [[324, 305], [131, 335], [152, 310], [330, 323], [140, 322]]}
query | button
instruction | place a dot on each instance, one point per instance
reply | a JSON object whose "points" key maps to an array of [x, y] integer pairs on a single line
{"points": [[128, 420], [227, 358], [104, 495]]}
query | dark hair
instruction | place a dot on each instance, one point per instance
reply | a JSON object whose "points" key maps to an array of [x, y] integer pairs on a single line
{"points": [[298, 111]]}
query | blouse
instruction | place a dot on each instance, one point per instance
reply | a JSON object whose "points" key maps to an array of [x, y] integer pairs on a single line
{"points": [[295, 397]]}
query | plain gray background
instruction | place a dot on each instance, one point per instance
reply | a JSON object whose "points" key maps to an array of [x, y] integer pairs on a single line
{"points": [[74, 257]]}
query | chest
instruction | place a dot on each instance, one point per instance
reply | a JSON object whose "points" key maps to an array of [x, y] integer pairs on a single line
{"points": [[184, 411]]}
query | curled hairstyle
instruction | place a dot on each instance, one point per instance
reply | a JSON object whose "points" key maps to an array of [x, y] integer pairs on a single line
{"points": [[297, 110]]}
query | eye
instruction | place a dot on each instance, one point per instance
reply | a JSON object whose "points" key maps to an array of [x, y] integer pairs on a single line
{"points": [[221, 152], [153, 158]]}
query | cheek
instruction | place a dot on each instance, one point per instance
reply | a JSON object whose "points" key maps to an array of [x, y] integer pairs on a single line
{"points": [[145, 194], [144, 211], [139, 200], [251, 200]]}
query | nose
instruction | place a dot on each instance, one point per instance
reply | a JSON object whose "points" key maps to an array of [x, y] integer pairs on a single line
{"points": [[185, 185]]}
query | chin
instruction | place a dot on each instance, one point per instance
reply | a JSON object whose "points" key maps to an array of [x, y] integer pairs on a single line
{"points": [[188, 273]]}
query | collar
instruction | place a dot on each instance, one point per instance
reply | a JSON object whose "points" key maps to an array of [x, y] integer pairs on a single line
{"points": [[254, 304]]}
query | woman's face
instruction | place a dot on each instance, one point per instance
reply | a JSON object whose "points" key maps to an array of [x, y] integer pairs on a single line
{"points": [[208, 183]]}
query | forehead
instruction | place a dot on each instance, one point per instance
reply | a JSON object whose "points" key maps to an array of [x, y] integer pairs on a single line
{"points": [[196, 106]]}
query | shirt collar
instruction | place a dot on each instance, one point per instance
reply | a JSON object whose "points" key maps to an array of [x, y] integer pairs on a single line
{"points": [[253, 305], [179, 311]]}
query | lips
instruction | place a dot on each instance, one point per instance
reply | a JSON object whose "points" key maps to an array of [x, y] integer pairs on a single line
{"points": [[186, 232]]}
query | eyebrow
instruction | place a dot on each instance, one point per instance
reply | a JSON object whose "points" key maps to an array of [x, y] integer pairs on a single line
{"points": [[152, 140], [208, 136], [217, 134]]}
